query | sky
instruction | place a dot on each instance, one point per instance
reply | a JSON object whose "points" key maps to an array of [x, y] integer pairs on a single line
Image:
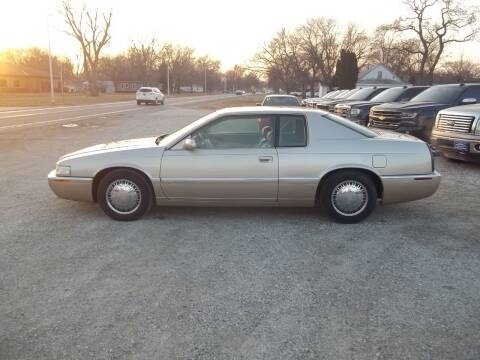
{"points": [[231, 31]]}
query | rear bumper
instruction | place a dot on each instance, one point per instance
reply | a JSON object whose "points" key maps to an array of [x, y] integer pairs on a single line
{"points": [[71, 188], [409, 187]]}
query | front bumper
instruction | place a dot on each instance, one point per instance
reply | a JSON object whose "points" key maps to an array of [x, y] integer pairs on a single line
{"points": [[445, 144], [409, 187], [71, 188]]}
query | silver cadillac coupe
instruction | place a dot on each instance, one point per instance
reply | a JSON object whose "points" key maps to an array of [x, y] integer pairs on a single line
{"points": [[252, 156]]}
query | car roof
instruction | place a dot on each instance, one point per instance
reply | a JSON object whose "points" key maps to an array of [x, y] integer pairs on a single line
{"points": [[266, 110]]}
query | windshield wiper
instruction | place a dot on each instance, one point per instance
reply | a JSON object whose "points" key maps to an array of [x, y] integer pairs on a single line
{"points": [[158, 139]]}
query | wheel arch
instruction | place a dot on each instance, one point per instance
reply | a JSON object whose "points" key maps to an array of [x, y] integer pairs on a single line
{"points": [[370, 173], [102, 173]]}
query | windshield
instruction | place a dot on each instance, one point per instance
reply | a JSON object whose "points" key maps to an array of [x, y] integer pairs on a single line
{"points": [[362, 94], [331, 94], [145, 90], [281, 101], [346, 94], [350, 124], [389, 95], [440, 94], [181, 133]]}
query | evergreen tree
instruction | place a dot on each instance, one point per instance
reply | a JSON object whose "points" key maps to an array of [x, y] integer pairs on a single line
{"points": [[346, 72]]}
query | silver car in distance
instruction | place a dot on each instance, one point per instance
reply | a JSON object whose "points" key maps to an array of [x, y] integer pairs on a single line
{"points": [[252, 156]]}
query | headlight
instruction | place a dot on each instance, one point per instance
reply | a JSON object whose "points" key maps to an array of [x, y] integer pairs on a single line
{"points": [[62, 170], [354, 112], [409, 115], [477, 128]]}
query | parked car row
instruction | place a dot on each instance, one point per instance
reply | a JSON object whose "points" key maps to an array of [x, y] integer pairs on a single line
{"points": [[417, 110]]}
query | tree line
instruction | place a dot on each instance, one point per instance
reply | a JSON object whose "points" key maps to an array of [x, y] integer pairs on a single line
{"points": [[413, 47], [317, 51]]}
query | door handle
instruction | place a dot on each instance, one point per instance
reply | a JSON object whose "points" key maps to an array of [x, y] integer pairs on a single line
{"points": [[265, 159]]}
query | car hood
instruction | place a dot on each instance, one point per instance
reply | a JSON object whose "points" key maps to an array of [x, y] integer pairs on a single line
{"points": [[414, 106], [114, 145], [359, 103]]}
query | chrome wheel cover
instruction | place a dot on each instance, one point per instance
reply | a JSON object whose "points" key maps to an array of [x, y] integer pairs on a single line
{"points": [[123, 196], [349, 198]]}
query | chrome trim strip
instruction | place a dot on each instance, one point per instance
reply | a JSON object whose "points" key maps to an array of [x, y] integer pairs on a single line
{"points": [[433, 175], [69, 178], [172, 180]]}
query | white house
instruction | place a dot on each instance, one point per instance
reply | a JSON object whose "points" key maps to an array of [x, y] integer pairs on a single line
{"points": [[374, 75]]}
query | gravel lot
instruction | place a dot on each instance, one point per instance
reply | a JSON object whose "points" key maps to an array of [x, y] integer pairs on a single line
{"points": [[216, 283]]}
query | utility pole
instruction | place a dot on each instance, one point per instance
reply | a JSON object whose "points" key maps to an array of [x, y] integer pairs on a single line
{"points": [[168, 79], [205, 82], [52, 93], [61, 77]]}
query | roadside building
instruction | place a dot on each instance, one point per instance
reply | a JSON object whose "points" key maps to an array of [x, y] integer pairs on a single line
{"points": [[378, 75], [127, 86], [23, 79], [191, 89]]}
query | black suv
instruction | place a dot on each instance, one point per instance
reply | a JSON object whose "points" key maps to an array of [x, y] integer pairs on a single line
{"points": [[417, 116], [359, 95], [357, 111]]}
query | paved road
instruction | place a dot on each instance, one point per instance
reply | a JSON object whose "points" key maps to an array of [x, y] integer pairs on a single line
{"points": [[185, 283], [15, 118]]}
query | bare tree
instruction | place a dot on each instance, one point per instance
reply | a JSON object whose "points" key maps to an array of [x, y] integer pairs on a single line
{"points": [[279, 60], [208, 71], [92, 31], [461, 70], [181, 62], [400, 55], [144, 56], [452, 23], [356, 40], [327, 32]]}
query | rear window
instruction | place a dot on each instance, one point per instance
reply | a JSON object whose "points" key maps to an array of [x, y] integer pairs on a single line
{"points": [[145, 90], [293, 131], [281, 101]]}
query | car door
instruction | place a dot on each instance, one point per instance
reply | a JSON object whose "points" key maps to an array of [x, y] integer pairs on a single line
{"points": [[234, 160]]}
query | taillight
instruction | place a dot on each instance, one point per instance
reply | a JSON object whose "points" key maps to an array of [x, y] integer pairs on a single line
{"points": [[431, 157]]}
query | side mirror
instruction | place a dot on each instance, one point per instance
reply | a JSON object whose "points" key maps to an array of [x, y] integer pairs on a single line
{"points": [[469, 101], [189, 144], [259, 104]]}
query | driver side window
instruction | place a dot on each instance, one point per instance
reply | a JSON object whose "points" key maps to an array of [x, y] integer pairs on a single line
{"points": [[243, 131]]}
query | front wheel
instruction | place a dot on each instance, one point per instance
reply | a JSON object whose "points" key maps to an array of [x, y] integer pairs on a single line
{"points": [[124, 195], [139, 102], [348, 196]]}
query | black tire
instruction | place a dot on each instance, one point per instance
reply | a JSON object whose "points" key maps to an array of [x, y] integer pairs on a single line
{"points": [[163, 102], [366, 195], [125, 177], [139, 102]]}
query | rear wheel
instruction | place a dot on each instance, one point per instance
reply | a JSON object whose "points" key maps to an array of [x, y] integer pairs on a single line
{"points": [[348, 196], [139, 102], [124, 195]]}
